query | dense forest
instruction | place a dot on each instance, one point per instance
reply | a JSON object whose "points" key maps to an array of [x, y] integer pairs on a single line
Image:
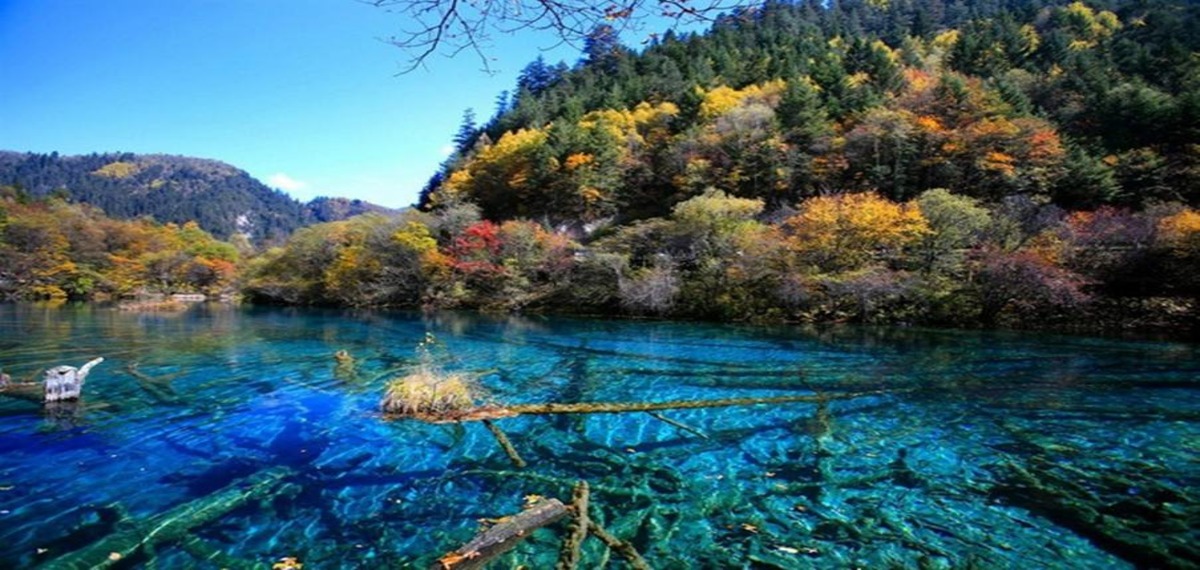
{"points": [[1078, 105], [908, 160], [220, 198], [999, 162]]}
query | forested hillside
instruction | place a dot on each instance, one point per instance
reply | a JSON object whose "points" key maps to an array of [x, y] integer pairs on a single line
{"points": [[993, 162], [220, 198], [1075, 104], [51, 249]]}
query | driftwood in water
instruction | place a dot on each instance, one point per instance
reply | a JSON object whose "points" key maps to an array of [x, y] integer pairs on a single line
{"points": [[493, 411], [568, 557], [509, 531], [620, 407], [424, 398], [505, 444], [501, 537], [66, 382], [59, 384], [626, 550], [678, 425], [1131, 516], [157, 387], [32, 391], [173, 526]]}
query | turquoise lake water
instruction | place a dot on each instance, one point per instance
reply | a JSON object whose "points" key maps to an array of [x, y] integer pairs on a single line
{"points": [[985, 450]]}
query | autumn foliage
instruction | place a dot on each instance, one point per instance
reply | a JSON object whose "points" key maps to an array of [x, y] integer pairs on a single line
{"points": [[50, 249], [810, 162], [847, 231]]}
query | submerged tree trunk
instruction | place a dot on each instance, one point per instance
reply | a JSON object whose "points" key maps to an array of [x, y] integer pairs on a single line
{"points": [[174, 526], [505, 444], [619, 407], [1131, 516], [66, 382], [626, 550], [568, 558], [32, 391], [502, 537], [495, 411]]}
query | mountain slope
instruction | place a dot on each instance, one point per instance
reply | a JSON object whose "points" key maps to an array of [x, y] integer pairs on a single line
{"points": [[221, 198], [326, 209]]}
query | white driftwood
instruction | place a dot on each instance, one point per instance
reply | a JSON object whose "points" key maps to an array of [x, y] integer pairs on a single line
{"points": [[66, 382]]}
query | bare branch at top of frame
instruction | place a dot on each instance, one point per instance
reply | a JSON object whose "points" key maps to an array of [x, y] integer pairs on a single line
{"points": [[450, 27]]}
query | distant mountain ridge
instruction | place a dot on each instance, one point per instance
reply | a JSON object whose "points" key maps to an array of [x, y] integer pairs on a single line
{"points": [[221, 198], [326, 209]]}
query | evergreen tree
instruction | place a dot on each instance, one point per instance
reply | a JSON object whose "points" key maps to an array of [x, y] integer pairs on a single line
{"points": [[467, 132]]}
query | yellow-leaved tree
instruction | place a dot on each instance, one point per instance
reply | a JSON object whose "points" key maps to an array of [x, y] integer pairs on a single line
{"points": [[847, 231], [1181, 230], [503, 178], [722, 99]]}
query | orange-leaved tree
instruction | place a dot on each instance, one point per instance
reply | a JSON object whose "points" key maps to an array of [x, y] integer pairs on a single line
{"points": [[847, 231]]}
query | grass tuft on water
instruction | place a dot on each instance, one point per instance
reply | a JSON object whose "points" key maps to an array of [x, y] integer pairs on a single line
{"points": [[430, 394]]}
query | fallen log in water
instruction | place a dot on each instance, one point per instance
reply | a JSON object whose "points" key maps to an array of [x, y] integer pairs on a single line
{"points": [[678, 425], [509, 531], [170, 527], [158, 388], [1145, 536], [30, 391], [505, 444], [502, 537], [568, 558], [496, 411], [626, 550], [620, 407]]}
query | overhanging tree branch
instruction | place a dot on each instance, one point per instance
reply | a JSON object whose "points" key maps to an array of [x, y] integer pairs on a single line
{"points": [[451, 27]]}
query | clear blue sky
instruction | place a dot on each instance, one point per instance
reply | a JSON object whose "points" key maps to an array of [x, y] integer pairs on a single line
{"points": [[303, 94]]}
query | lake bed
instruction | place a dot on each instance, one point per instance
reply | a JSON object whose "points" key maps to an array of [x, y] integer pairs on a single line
{"points": [[981, 449]]}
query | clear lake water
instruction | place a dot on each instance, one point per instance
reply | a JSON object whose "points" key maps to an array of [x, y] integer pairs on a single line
{"points": [[230, 437]]}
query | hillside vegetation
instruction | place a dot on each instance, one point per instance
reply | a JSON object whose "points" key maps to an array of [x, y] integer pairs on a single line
{"points": [[1078, 105], [906, 160], [220, 198], [986, 163], [51, 249]]}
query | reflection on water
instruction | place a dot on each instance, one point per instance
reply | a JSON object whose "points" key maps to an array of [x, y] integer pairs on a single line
{"points": [[238, 436]]}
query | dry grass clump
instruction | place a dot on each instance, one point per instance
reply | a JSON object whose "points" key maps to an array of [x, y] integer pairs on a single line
{"points": [[430, 395]]}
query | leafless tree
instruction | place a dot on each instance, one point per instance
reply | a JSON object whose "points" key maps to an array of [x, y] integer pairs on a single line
{"points": [[652, 290], [452, 27]]}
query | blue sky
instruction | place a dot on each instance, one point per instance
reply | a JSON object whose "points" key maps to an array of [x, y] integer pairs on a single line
{"points": [[303, 94]]}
